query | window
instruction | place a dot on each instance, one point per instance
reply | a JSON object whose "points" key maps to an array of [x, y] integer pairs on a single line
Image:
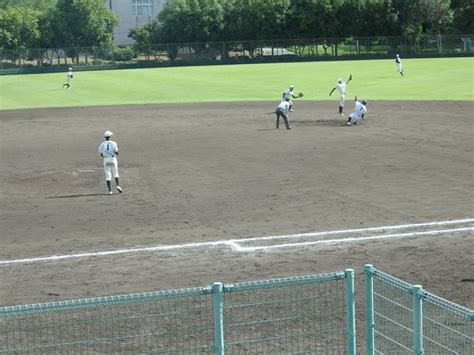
{"points": [[142, 7]]}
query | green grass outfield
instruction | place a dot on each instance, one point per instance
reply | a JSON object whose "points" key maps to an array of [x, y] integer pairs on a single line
{"points": [[425, 79]]}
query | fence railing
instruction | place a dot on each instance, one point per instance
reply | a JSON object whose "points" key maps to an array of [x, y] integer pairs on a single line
{"points": [[307, 314], [404, 319], [235, 51]]}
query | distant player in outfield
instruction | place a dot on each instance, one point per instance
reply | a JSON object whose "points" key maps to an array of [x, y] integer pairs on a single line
{"points": [[358, 113], [288, 95], [69, 77], [109, 150], [341, 87], [398, 61], [282, 111]]}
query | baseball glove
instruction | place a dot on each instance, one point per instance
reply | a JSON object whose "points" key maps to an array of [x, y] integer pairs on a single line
{"points": [[300, 94], [350, 77]]}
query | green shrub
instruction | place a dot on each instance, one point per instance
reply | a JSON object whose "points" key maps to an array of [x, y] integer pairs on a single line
{"points": [[119, 54]]}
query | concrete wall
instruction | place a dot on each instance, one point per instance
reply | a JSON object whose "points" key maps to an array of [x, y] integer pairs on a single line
{"points": [[133, 14]]}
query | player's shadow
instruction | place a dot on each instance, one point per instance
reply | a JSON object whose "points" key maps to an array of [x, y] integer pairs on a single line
{"points": [[322, 123], [76, 196]]}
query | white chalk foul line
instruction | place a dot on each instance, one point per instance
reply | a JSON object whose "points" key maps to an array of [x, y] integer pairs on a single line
{"points": [[235, 244], [371, 229], [354, 240]]}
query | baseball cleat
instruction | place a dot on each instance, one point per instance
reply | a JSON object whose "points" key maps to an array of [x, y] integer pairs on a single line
{"points": [[110, 192], [119, 189], [348, 123]]}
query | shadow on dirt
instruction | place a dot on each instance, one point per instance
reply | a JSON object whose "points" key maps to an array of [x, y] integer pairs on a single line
{"points": [[75, 196], [322, 123]]}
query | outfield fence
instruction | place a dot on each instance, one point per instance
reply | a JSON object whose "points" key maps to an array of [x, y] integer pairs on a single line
{"points": [[307, 314], [405, 319], [257, 51], [312, 314]]}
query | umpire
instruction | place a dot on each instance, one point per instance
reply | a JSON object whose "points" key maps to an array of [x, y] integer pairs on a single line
{"points": [[282, 111]]}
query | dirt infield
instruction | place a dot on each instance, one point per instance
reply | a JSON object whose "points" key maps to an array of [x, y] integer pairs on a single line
{"points": [[214, 172]]}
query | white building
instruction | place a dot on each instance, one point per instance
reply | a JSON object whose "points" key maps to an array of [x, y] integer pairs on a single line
{"points": [[133, 13]]}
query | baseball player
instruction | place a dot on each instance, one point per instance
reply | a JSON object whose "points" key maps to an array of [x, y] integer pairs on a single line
{"points": [[68, 79], [398, 61], [282, 111], [109, 150], [288, 95], [359, 112], [341, 87]]}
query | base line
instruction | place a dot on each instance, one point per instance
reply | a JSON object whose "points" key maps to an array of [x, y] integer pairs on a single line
{"points": [[235, 244]]}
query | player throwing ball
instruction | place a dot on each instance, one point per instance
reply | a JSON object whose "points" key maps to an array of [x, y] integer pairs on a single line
{"points": [[341, 87], [359, 112], [109, 150]]}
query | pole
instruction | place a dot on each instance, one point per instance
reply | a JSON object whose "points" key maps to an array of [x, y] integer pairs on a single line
{"points": [[217, 298], [369, 309], [417, 320], [350, 309]]}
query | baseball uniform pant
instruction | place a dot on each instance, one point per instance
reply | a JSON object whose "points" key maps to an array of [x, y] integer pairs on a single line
{"points": [[280, 113], [110, 168]]}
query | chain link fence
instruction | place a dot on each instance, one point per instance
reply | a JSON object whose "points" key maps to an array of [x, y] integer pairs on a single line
{"points": [[51, 59], [405, 319], [306, 314]]}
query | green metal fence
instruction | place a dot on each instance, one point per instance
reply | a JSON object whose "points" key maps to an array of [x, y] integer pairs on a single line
{"points": [[51, 59], [307, 314], [404, 319]]}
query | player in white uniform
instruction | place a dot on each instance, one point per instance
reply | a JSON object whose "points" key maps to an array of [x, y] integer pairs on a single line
{"points": [[282, 111], [68, 79], [109, 150], [398, 61], [359, 112], [288, 95], [341, 87]]}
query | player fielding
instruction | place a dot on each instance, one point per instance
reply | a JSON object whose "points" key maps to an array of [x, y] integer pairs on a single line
{"points": [[109, 150], [69, 77], [359, 111], [341, 87]]}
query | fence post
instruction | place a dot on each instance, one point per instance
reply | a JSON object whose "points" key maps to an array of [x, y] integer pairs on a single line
{"points": [[417, 320], [369, 309], [217, 292], [350, 309]]}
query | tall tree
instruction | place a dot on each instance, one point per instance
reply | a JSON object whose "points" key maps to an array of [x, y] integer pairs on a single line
{"points": [[379, 19], [409, 17], [438, 14], [191, 21], [82, 23], [32, 4], [19, 28], [463, 16]]}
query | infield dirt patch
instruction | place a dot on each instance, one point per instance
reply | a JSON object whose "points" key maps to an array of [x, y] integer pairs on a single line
{"points": [[210, 172]]}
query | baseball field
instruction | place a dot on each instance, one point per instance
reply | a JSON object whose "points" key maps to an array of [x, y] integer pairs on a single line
{"points": [[201, 163]]}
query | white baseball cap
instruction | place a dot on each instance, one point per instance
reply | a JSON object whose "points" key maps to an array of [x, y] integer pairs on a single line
{"points": [[339, 80], [292, 86], [108, 134], [70, 68]]}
